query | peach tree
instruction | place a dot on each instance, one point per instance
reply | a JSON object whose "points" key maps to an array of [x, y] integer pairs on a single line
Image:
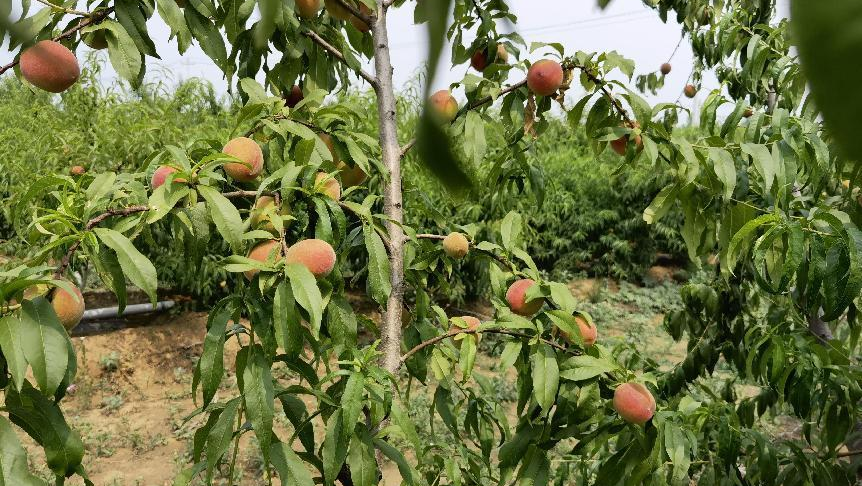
{"points": [[767, 187]]}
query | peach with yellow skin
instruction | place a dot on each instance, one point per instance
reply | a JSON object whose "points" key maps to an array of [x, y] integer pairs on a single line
{"points": [[249, 152], [456, 246], [69, 306], [329, 185], [351, 176], [444, 105], [634, 403]]}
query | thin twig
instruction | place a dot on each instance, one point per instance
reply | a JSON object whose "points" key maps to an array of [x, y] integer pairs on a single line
{"points": [[338, 55], [92, 19], [70, 11], [67, 258], [505, 332]]}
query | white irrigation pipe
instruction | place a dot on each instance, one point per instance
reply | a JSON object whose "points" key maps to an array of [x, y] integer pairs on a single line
{"points": [[107, 312]]}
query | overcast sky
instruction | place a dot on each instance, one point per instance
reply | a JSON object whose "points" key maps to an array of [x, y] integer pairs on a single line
{"points": [[625, 26]]}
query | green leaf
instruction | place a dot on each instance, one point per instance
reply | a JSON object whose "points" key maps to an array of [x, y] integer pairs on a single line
{"points": [[764, 163], [725, 170], [586, 367], [510, 230], [351, 401], [44, 342], [363, 465], [123, 53], [286, 320], [395, 456], [828, 33], [335, 446], [258, 394], [379, 284], [226, 217], [290, 467], [138, 268], [546, 376], [220, 435], [307, 294], [10, 344], [211, 363], [13, 459], [173, 17], [42, 419], [102, 184], [661, 204]]}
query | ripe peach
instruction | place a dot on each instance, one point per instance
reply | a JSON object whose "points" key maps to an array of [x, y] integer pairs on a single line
{"points": [[258, 216], [472, 324], [69, 306], [634, 403], [690, 91], [249, 152], [665, 68], [516, 298], [266, 251], [360, 24], [161, 175], [331, 187], [294, 97], [589, 333], [456, 246], [50, 66], [336, 10], [77, 170], [330, 144], [351, 176], [444, 106], [481, 59], [317, 256], [308, 9], [545, 77], [621, 144]]}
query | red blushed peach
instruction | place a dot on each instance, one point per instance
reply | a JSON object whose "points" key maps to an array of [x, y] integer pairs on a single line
{"points": [[444, 105], [634, 403], [161, 175], [330, 187], [317, 256], [621, 144], [308, 9], [545, 77], [294, 97], [50, 66], [665, 68], [516, 297], [472, 324], [264, 252], [481, 60], [69, 306], [690, 91]]}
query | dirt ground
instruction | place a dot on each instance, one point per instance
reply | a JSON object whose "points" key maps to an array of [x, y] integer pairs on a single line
{"points": [[133, 392]]}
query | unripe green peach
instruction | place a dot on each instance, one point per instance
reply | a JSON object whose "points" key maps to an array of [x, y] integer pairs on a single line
{"points": [[456, 246], [545, 77], [634, 403], [444, 106], [249, 152], [330, 186], [50, 66], [316, 255], [69, 306], [308, 9], [267, 251], [516, 297]]}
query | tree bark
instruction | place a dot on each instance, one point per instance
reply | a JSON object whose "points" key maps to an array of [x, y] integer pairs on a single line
{"points": [[391, 157]]}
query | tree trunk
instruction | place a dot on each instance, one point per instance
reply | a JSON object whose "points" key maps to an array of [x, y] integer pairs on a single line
{"points": [[391, 152]]}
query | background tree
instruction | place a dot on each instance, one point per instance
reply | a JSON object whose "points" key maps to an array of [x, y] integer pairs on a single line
{"points": [[761, 189]]}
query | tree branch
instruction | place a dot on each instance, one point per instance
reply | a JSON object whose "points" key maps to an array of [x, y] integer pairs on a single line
{"points": [[501, 259], [67, 258], [505, 332], [368, 19], [472, 106], [94, 18], [338, 55]]}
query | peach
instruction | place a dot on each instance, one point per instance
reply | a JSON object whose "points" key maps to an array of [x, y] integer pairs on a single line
{"points": [[267, 251], [336, 10], [249, 152], [316, 255], [308, 9], [77, 170], [690, 91], [444, 106], [360, 24], [50, 66], [330, 186], [545, 77], [330, 144], [161, 175], [294, 97], [589, 333], [621, 144], [634, 403], [69, 306], [665, 68], [516, 297], [472, 324], [351, 176], [456, 246], [481, 59]]}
